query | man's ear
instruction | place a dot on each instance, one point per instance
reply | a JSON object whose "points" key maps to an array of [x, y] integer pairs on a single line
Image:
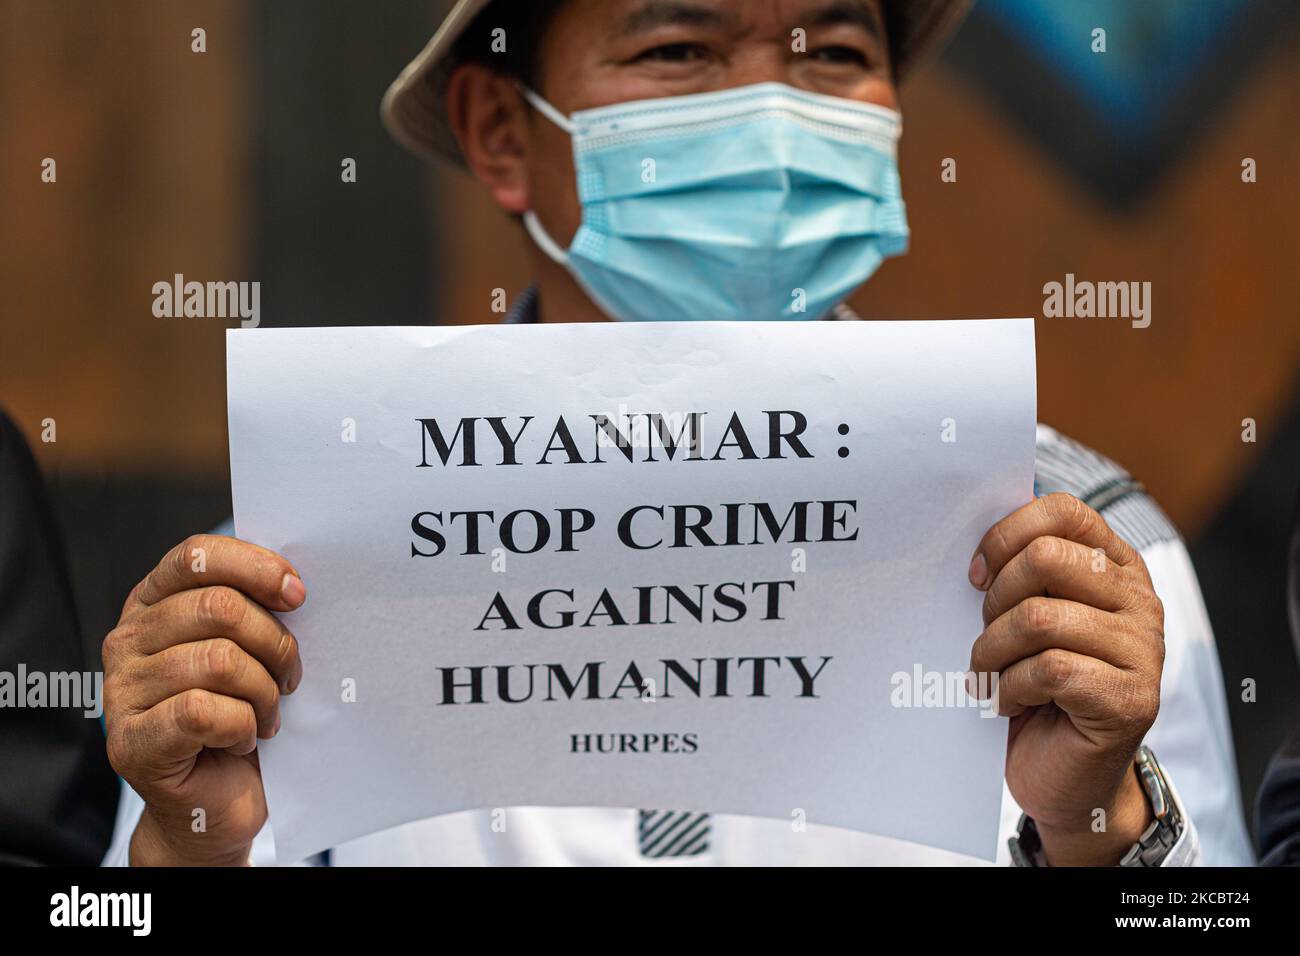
{"points": [[490, 119]]}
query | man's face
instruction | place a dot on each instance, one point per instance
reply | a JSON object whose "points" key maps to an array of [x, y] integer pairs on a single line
{"points": [[600, 52]]}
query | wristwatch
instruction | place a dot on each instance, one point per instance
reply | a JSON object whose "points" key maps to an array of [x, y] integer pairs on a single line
{"points": [[1151, 849]]}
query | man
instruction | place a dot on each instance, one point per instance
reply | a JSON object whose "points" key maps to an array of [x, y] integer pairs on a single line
{"points": [[57, 792], [737, 162], [1277, 815]]}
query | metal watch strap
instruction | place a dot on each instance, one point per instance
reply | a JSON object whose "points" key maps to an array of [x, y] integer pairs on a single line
{"points": [[1159, 838], [1151, 848], [1026, 846]]}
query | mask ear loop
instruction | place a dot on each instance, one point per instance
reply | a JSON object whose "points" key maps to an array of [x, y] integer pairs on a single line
{"points": [[531, 222], [543, 239], [546, 109]]}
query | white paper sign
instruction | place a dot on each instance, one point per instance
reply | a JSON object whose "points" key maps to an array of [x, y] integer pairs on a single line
{"points": [[708, 566]]}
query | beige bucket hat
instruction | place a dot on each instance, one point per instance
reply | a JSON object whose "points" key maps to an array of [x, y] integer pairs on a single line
{"points": [[415, 107]]}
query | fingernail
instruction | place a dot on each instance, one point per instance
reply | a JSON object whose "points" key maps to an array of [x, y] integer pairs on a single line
{"points": [[292, 591], [979, 571], [276, 729]]}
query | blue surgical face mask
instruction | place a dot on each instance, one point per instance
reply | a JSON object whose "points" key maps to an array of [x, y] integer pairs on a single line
{"points": [[760, 202]]}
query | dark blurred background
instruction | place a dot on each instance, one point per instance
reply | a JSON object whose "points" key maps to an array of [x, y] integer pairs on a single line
{"points": [[225, 165]]}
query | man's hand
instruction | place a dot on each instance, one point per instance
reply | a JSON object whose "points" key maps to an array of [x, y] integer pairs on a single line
{"points": [[193, 675], [1074, 630]]}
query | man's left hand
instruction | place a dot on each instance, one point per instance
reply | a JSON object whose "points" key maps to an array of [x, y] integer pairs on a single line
{"points": [[1075, 633]]}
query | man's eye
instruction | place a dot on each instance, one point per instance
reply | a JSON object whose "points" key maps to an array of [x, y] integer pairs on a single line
{"points": [[840, 54], [675, 53]]}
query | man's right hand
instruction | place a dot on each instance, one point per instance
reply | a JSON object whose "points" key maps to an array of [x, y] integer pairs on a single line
{"points": [[193, 675]]}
